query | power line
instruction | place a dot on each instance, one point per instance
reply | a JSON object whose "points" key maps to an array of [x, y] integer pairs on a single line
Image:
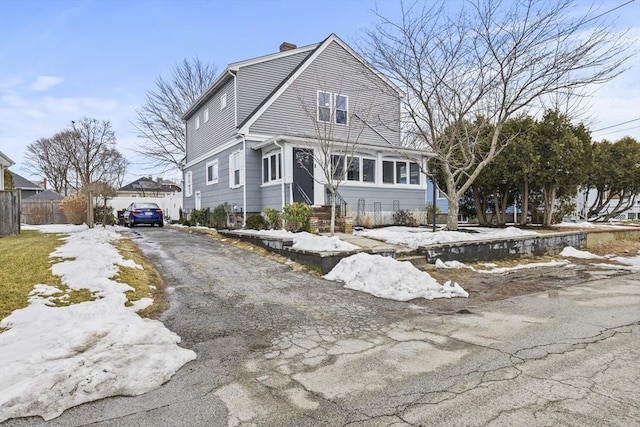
{"points": [[616, 125], [622, 130]]}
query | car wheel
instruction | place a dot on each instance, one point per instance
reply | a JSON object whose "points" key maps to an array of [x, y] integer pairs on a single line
{"points": [[161, 224]]}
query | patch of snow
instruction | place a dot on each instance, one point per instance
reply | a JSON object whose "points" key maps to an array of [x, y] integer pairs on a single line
{"points": [[388, 278], [452, 264], [633, 263], [308, 241], [417, 237], [525, 266], [571, 252], [54, 358], [56, 228]]}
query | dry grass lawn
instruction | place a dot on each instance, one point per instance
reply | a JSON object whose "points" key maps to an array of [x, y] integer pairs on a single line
{"points": [[26, 262]]}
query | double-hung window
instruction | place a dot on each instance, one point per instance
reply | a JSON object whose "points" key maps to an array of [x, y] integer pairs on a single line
{"points": [[271, 168], [236, 169], [212, 172], [333, 107], [188, 184]]}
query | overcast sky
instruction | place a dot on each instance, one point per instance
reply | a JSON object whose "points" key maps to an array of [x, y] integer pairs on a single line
{"points": [[61, 60]]}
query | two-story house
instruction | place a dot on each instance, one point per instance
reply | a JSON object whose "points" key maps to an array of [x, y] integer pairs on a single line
{"points": [[255, 137]]}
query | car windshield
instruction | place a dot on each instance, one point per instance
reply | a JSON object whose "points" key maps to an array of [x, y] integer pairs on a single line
{"points": [[146, 206]]}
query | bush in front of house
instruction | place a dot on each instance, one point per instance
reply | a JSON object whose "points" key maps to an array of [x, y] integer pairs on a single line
{"points": [[274, 219], [296, 217], [75, 208], [198, 216], [404, 217], [218, 217], [256, 222], [98, 213]]}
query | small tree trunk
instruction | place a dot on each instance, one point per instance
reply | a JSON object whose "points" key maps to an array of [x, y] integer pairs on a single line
{"points": [[549, 201], [505, 201], [452, 215], [479, 203], [496, 207], [525, 201]]}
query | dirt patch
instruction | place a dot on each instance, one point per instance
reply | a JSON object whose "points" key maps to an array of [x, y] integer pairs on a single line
{"points": [[617, 247]]}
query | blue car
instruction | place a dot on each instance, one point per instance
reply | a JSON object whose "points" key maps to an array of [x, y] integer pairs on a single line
{"points": [[143, 213]]}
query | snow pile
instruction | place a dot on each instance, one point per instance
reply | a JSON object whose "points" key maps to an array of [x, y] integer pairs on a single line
{"points": [[388, 278], [54, 358], [307, 241], [571, 252], [55, 228], [417, 237], [632, 263], [452, 264]]}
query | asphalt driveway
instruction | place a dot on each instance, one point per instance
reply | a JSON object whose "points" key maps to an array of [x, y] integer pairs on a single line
{"points": [[278, 347]]}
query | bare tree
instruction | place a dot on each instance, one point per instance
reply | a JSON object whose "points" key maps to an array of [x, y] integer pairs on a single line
{"points": [[337, 135], [48, 157], [489, 61], [159, 120], [92, 153]]}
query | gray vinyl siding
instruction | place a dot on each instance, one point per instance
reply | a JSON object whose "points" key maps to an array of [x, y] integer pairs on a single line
{"points": [[257, 81], [219, 129], [272, 197], [214, 194], [409, 198], [253, 167], [335, 71]]}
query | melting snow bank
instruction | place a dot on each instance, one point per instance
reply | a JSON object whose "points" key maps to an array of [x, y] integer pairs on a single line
{"points": [[54, 358], [495, 269], [388, 278], [571, 252], [308, 241]]}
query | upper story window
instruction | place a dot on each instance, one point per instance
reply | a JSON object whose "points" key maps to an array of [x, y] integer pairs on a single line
{"points": [[223, 101], [198, 122], [212, 172], [271, 168], [206, 115], [333, 107]]}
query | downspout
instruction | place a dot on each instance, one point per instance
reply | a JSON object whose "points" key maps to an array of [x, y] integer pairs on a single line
{"points": [[275, 142], [244, 181]]}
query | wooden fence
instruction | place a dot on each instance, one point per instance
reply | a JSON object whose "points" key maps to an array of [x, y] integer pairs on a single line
{"points": [[38, 212], [9, 213]]}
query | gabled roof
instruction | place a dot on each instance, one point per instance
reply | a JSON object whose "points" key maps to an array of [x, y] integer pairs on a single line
{"points": [[314, 49], [22, 183], [146, 184], [233, 68], [304, 64], [46, 195]]}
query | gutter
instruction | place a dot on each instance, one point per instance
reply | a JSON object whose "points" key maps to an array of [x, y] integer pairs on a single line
{"points": [[282, 163]]}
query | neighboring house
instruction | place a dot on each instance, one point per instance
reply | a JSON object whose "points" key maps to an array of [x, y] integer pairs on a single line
{"points": [[27, 188], [165, 193], [585, 199], [250, 135], [148, 187], [5, 163]]}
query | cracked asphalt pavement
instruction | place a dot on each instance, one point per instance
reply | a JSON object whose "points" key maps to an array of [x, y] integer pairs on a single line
{"points": [[278, 347]]}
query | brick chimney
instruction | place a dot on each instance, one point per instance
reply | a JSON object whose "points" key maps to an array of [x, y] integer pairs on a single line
{"points": [[287, 46]]}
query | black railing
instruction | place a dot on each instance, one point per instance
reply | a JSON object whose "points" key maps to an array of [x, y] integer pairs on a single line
{"points": [[303, 194], [341, 204]]}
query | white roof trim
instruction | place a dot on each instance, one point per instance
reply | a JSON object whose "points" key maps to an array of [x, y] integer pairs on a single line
{"points": [[5, 160], [299, 71], [235, 66]]}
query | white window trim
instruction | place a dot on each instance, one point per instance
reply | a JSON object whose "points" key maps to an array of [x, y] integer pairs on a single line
{"points": [[206, 115], [197, 122], [395, 183], [198, 200], [279, 165], [335, 109], [236, 157], [223, 101], [216, 172], [188, 184], [318, 92]]}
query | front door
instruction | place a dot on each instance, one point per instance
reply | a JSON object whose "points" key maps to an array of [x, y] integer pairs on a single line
{"points": [[302, 178]]}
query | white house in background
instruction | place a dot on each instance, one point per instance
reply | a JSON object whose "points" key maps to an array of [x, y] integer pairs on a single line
{"points": [[5, 163], [584, 199], [167, 194], [251, 135]]}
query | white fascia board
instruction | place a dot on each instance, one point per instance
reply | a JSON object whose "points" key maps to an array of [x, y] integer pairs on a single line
{"points": [[237, 65], [207, 94], [5, 160]]}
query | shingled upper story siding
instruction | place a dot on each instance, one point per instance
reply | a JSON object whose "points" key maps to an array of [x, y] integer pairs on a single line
{"points": [[257, 81], [336, 71], [219, 129]]}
